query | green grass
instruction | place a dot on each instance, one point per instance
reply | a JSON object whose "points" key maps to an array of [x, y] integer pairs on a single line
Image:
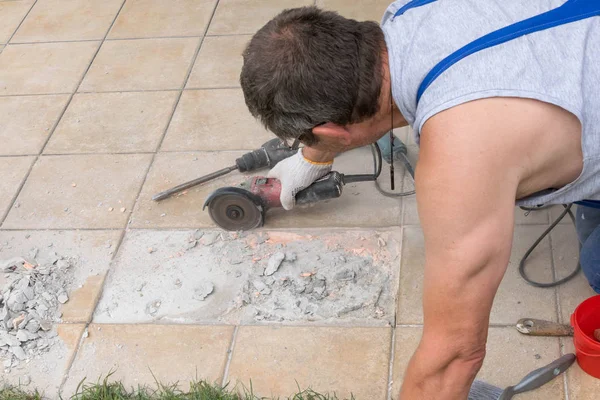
{"points": [[199, 390]]}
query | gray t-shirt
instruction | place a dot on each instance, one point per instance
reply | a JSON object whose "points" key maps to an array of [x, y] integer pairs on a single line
{"points": [[560, 66]]}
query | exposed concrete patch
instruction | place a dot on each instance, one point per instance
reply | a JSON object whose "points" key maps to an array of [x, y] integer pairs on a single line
{"points": [[222, 277]]}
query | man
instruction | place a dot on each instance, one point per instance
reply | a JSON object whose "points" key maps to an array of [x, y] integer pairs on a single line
{"points": [[517, 121]]}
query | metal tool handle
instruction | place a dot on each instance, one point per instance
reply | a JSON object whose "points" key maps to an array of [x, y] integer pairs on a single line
{"points": [[540, 376], [180, 188], [328, 187], [539, 327]]}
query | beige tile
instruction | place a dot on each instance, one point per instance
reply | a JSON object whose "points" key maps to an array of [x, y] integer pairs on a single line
{"points": [[145, 354], [580, 384], [515, 298], [510, 356], [214, 120], [219, 62], [158, 18], [248, 16], [12, 173], [48, 371], [340, 360], [149, 64], [11, 15], [361, 10], [360, 204], [27, 121], [44, 68], [183, 211], [56, 20], [565, 250], [555, 212], [90, 253], [113, 123], [79, 191]]}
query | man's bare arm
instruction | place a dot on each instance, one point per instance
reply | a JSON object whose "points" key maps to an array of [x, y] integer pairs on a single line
{"points": [[466, 182]]}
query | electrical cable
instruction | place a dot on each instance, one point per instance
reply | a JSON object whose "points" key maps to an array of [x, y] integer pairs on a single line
{"points": [[537, 242]]}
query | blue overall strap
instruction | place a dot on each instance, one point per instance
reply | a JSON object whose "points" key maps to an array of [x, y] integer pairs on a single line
{"points": [[412, 4], [589, 203], [571, 11]]}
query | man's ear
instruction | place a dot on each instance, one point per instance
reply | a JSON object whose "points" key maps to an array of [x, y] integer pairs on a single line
{"points": [[333, 132]]}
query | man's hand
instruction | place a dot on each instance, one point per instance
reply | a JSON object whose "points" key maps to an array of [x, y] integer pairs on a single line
{"points": [[466, 180], [298, 172]]}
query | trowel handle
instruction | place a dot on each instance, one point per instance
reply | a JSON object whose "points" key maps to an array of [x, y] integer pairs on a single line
{"points": [[543, 375], [539, 327]]}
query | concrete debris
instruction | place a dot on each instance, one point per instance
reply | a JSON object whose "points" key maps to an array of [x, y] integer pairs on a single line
{"points": [[153, 307], [26, 380], [290, 256], [210, 238], [274, 263], [198, 234], [203, 291], [29, 303]]}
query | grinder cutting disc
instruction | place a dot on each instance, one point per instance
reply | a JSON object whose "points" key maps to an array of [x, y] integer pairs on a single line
{"points": [[235, 209]]}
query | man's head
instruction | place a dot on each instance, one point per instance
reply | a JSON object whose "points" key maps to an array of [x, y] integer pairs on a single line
{"points": [[307, 67]]}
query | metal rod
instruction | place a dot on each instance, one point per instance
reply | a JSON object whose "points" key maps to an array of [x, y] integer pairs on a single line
{"points": [[180, 188]]}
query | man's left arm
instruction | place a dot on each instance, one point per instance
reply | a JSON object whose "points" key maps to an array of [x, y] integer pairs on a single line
{"points": [[466, 181]]}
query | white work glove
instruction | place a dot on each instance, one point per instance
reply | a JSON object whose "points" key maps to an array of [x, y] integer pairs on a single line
{"points": [[297, 173]]}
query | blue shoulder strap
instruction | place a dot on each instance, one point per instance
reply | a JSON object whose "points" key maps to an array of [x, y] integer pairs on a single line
{"points": [[570, 11], [412, 4]]}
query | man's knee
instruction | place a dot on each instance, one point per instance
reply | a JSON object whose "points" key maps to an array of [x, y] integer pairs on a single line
{"points": [[590, 255]]}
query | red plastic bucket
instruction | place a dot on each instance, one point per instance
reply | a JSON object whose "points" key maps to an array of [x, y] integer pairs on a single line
{"points": [[586, 319]]}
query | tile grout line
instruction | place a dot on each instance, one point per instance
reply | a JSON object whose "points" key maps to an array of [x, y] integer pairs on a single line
{"points": [[229, 356], [76, 351], [20, 23], [390, 379]]}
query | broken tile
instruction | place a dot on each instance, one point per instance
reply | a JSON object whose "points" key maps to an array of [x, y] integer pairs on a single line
{"points": [[351, 360], [47, 371], [44, 68], [48, 200], [510, 356], [146, 354], [219, 62], [202, 122], [57, 20], [229, 20], [157, 18], [27, 121], [113, 123], [12, 172], [11, 15], [149, 64], [515, 298]]}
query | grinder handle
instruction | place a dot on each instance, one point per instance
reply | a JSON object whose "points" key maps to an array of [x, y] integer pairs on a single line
{"points": [[328, 187]]}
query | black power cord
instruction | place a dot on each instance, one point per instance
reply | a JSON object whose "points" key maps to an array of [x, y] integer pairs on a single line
{"points": [[566, 211]]}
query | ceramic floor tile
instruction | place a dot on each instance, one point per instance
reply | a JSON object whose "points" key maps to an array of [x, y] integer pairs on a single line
{"points": [[113, 123], [183, 210], [157, 275], [157, 18], [515, 298], [565, 249], [145, 354], [350, 360], [57, 20], [510, 356], [44, 68], [556, 211], [27, 121], [229, 20], [89, 252], [361, 10], [219, 62], [79, 192], [11, 15], [149, 64], [360, 204], [12, 172], [47, 371], [214, 120]]}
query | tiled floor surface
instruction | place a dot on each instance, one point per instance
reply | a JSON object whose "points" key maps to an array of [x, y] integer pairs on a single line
{"points": [[104, 103]]}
